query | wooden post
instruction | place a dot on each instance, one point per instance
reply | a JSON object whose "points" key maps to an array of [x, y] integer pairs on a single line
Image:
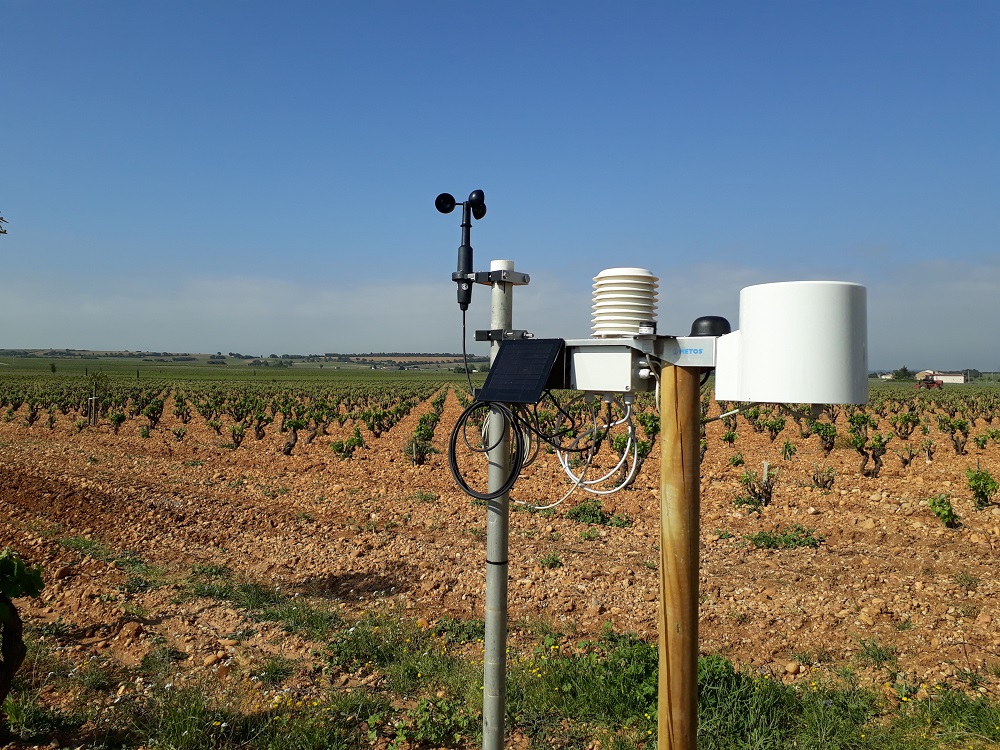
{"points": [[680, 476]]}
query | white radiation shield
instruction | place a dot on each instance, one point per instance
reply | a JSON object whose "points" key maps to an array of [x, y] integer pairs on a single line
{"points": [[799, 342]]}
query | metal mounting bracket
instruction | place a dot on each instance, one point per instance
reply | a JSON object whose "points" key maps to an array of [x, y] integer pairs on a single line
{"points": [[507, 277], [498, 334]]}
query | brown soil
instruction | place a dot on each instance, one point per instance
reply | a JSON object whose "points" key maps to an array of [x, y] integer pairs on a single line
{"points": [[365, 534]]}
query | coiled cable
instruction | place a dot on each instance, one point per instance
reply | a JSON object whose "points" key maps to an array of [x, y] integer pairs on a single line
{"points": [[519, 449]]}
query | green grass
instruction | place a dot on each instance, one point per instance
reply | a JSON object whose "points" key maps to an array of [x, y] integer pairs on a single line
{"points": [[428, 694], [873, 654], [263, 603], [275, 670], [159, 661], [454, 630], [139, 575]]}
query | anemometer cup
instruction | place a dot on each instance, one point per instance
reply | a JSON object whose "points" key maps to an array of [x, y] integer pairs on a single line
{"points": [[477, 202], [445, 203]]}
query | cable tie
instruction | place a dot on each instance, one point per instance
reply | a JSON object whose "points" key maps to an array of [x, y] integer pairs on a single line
{"points": [[490, 562]]}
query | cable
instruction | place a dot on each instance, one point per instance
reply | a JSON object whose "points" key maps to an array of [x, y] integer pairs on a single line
{"points": [[465, 358], [730, 413], [565, 436], [569, 492], [517, 454], [631, 446], [530, 420], [655, 367], [530, 446], [577, 480]]}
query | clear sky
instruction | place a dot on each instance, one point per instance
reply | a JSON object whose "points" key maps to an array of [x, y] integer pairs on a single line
{"points": [[260, 177]]}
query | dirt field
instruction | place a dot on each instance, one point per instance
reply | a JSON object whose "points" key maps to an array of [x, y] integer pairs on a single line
{"points": [[377, 532]]}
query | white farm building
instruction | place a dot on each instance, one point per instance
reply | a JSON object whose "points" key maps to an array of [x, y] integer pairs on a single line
{"points": [[944, 377]]}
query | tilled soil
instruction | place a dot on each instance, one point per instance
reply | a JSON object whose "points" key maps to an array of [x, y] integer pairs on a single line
{"points": [[377, 532]]}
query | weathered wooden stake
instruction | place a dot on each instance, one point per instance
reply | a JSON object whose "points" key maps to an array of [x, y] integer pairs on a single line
{"points": [[680, 477]]}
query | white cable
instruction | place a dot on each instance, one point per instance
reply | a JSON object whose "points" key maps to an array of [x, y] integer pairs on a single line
{"points": [[577, 480], [589, 485], [632, 446], [565, 463], [739, 410], [631, 474], [571, 490]]}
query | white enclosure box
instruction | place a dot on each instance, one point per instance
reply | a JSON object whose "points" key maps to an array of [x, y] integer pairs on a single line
{"points": [[799, 342], [604, 366]]}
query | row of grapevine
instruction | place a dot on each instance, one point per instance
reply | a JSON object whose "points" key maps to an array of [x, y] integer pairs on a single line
{"points": [[233, 410]]}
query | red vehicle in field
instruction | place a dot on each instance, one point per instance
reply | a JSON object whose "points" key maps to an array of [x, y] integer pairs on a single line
{"points": [[928, 382]]}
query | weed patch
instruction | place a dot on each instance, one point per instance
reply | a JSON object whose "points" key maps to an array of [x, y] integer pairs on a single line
{"points": [[264, 604], [790, 537]]}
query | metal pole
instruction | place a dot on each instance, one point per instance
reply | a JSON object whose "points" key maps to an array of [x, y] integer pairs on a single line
{"points": [[497, 528], [680, 476]]}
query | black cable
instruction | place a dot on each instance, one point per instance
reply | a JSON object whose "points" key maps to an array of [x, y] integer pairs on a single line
{"points": [[552, 438], [465, 358], [523, 423], [517, 455]]}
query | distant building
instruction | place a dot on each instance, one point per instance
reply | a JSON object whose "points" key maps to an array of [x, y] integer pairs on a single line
{"points": [[944, 377]]}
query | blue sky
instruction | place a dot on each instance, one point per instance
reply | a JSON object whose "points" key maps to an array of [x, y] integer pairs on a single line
{"points": [[259, 177]]}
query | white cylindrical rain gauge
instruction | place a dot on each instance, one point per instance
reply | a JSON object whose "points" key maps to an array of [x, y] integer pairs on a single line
{"points": [[799, 342], [624, 302]]}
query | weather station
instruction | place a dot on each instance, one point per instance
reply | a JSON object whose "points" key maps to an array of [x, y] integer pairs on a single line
{"points": [[799, 342]]}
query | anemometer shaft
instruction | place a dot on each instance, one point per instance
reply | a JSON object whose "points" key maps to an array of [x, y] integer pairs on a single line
{"points": [[464, 270]]}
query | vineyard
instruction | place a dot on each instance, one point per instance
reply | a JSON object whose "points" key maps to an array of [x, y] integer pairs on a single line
{"points": [[239, 533]]}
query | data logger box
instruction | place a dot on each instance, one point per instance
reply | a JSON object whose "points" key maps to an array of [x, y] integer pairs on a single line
{"points": [[622, 365]]}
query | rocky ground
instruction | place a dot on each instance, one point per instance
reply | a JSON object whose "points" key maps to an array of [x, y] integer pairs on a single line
{"points": [[378, 532]]}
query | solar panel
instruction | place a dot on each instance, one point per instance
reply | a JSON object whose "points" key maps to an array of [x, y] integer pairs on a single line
{"points": [[522, 370]]}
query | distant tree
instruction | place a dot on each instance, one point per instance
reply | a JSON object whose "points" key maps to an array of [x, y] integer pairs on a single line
{"points": [[903, 373]]}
